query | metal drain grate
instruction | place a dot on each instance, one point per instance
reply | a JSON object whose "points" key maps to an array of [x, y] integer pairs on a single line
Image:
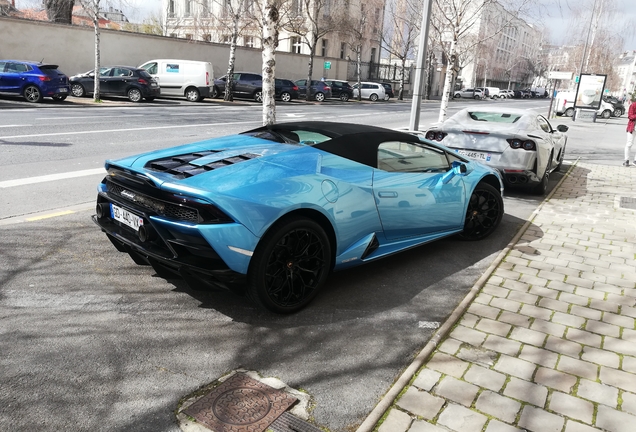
{"points": [[627, 203], [289, 423], [240, 404]]}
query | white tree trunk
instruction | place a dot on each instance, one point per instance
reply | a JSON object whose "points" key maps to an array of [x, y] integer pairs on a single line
{"points": [[229, 82], [358, 66], [270, 41], [96, 90], [448, 81]]}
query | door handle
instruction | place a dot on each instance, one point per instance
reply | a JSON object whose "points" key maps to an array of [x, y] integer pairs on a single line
{"points": [[388, 194]]}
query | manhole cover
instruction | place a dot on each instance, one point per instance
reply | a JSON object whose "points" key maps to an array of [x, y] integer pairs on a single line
{"points": [[627, 203], [240, 404]]}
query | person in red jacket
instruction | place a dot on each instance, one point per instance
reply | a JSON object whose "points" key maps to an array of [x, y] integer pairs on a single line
{"points": [[631, 116]]}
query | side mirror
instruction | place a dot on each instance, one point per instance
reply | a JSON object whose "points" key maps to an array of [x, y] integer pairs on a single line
{"points": [[562, 128]]}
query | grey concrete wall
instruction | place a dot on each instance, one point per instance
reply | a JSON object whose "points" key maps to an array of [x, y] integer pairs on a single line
{"points": [[73, 49]]}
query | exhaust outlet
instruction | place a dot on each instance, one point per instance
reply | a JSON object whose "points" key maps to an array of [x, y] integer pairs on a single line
{"points": [[146, 233], [102, 210]]}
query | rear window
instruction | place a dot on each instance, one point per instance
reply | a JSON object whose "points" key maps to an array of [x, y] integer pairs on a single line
{"points": [[144, 74], [494, 117], [50, 70]]}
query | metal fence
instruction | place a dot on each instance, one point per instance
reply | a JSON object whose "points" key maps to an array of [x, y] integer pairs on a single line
{"points": [[377, 72]]}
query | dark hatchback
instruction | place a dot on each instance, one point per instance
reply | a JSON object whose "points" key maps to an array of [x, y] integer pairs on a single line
{"points": [[33, 80], [249, 85], [388, 89], [319, 90], [133, 82], [340, 89]]}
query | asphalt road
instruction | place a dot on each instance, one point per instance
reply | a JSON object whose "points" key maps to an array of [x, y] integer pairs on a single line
{"points": [[91, 341]]}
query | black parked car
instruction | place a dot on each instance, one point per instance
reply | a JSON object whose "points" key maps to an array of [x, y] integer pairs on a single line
{"points": [[340, 89], [249, 85], [619, 108], [388, 88], [319, 90], [134, 83]]}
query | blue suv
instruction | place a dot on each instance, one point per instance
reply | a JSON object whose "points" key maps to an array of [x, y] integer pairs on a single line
{"points": [[33, 80]]}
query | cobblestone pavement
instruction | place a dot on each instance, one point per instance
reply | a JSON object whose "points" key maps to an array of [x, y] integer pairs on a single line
{"points": [[549, 342]]}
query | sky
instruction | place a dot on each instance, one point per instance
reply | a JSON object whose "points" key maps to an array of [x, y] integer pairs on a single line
{"points": [[556, 15]]}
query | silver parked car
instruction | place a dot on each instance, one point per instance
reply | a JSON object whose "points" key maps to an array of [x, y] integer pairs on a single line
{"points": [[370, 90], [469, 93], [519, 143]]}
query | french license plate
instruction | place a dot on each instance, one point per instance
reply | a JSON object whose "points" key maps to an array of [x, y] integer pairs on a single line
{"points": [[126, 217], [63, 90], [153, 85], [475, 155]]}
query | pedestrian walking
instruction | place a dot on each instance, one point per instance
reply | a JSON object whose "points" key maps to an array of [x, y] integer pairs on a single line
{"points": [[631, 120]]}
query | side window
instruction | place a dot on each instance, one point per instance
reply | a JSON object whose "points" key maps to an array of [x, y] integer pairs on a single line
{"points": [[151, 68], [105, 71], [2, 64], [396, 156], [301, 82]]}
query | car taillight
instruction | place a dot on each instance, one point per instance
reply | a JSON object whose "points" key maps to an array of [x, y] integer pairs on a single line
{"points": [[327, 88], [207, 78], [142, 81], [295, 88], [516, 143], [44, 78], [435, 135]]}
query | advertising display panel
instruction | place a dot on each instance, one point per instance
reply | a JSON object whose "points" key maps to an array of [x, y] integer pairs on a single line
{"points": [[590, 91]]}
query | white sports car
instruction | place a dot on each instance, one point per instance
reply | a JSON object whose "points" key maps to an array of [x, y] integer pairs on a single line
{"points": [[520, 144]]}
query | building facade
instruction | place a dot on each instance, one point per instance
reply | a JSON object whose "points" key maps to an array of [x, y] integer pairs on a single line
{"points": [[217, 20]]}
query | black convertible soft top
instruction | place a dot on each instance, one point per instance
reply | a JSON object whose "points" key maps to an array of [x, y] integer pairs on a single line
{"points": [[356, 142]]}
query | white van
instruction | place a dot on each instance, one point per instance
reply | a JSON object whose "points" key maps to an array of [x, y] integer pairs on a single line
{"points": [[189, 78]]}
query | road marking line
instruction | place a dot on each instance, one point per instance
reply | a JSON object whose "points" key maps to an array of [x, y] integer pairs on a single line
{"points": [[51, 177], [128, 129], [27, 125], [90, 117], [50, 215]]}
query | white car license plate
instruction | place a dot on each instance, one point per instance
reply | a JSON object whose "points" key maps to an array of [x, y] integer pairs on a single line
{"points": [[126, 217], [475, 155], [63, 90]]}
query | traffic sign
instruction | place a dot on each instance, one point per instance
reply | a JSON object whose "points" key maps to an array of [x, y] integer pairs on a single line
{"points": [[327, 65]]}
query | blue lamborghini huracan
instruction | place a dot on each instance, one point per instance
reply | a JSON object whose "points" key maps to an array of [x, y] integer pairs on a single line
{"points": [[273, 210]]}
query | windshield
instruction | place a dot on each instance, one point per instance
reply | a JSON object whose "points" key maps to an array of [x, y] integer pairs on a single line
{"points": [[494, 117]]}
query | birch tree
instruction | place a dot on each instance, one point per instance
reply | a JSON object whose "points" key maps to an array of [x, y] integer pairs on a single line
{"points": [[456, 28], [400, 35], [91, 7], [269, 41]]}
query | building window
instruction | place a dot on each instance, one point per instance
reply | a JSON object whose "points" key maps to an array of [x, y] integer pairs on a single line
{"points": [[174, 35], [324, 48], [227, 39], [249, 41], [188, 8], [297, 7], [343, 50], [295, 44], [171, 9], [207, 37], [372, 60], [188, 36]]}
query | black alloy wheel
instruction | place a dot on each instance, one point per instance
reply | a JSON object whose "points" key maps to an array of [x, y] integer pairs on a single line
{"points": [[344, 97], [484, 212], [33, 94], [289, 266]]}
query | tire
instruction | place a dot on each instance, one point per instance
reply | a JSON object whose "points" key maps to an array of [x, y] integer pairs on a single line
{"points": [[215, 92], [483, 214], [542, 187], [78, 90], [387, 97], [285, 97], [150, 99], [606, 114], [32, 94], [192, 94], [134, 95], [59, 98], [373, 97], [258, 96], [289, 266], [569, 112], [477, 97], [319, 97], [457, 96], [618, 112], [344, 97], [560, 164]]}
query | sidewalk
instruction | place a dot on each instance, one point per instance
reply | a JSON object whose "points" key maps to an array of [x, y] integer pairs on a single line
{"points": [[546, 341]]}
